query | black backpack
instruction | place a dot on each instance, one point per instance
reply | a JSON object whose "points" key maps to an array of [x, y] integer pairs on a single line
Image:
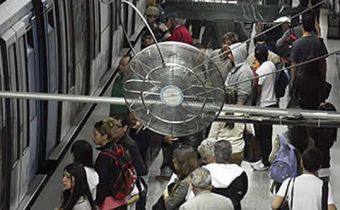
{"points": [[127, 176], [281, 82]]}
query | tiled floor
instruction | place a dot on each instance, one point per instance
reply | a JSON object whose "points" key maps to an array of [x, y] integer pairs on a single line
{"points": [[258, 196]]}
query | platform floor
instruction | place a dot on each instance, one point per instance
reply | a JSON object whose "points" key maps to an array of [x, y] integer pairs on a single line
{"points": [[258, 196]]}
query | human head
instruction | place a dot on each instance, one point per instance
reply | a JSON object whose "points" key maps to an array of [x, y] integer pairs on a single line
{"points": [[75, 186], [206, 150], [308, 23], [151, 13], [229, 38], [222, 151], [311, 160], [172, 20], [123, 64], [299, 137], [261, 53], [110, 129], [261, 40], [304, 3], [82, 153], [200, 179], [147, 40], [185, 161]]}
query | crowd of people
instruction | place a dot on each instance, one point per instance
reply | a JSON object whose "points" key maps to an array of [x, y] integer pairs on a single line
{"points": [[204, 169]]}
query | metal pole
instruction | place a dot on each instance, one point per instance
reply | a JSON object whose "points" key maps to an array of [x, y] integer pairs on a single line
{"points": [[249, 113]]}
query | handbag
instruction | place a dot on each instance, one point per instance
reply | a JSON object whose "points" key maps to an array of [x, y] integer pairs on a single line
{"points": [[285, 204], [111, 203]]}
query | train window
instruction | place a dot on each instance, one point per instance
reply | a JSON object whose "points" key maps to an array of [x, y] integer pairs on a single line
{"points": [[114, 15], [29, 37], [14, 106], [2, 145], [2, 167], [2, 156]]}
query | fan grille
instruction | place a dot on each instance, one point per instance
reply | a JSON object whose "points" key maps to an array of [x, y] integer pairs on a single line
{"points": [[178, 97]]}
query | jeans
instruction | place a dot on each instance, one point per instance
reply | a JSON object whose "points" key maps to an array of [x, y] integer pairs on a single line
{"points": [[264, 134]]}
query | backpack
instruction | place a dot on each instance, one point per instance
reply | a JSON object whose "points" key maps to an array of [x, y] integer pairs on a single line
{"points": [[127, 176], [281, 82], [285, 164]]}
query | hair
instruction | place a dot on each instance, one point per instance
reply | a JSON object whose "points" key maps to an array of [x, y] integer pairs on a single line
{"points": [[261, 53], [308, 23], [206, 149], [82, 153], [222, 151], [299, 137], [80, 187], [231, 37], [201, 178], [304, 3], [328, 135], [108, 125], [311, 160], [261, 38], [186, 160]]}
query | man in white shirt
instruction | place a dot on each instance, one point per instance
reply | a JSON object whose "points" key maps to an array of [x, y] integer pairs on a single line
{"points": [[306, 190], [265, 98]]}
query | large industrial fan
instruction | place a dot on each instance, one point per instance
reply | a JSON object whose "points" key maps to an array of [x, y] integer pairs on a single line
{"points": [[174, 90]]}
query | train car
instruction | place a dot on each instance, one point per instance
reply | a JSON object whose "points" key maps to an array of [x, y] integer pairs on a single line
{"points": [[52, 46]]}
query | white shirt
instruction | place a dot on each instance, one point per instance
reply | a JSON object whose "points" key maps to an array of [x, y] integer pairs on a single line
{"points": [[267, 97], [218, 131], [307, 192], [92, 180]]}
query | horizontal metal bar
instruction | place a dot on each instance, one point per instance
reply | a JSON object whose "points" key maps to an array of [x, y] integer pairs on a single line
{"points": [[250, 113], [62, 97]]}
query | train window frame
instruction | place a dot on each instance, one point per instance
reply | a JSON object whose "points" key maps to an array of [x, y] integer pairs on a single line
{"points": [[12, 60]]}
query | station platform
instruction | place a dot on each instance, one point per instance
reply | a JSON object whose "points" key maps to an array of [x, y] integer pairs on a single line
{"points": [[258, 196]]}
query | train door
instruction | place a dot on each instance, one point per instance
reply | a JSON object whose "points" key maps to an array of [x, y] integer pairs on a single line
{"points": [[3, 146], [13, 47], [52, 137], [63, 66]]}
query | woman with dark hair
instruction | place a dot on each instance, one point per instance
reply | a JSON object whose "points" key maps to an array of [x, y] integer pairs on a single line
{"points": [[82, 153], [185, 162], [76, 194]]}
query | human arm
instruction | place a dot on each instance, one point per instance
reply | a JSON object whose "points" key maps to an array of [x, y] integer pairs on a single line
{"points": [[244, 89], [280, 196], [282, 41], [277, 201], [275, 149], [214, 130], [102, 167], [177, 196]]}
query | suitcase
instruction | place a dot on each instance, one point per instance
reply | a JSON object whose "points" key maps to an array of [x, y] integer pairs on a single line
{"points": [[333, 26]]}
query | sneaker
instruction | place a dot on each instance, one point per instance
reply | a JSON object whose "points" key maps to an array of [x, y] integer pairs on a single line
{"points": [[260, 167]]}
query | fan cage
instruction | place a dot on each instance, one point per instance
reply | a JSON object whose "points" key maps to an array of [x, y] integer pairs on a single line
{"points": [[179, 97]]}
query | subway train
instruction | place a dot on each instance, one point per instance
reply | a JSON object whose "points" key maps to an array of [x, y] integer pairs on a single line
{"points": [[52, 46]]}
